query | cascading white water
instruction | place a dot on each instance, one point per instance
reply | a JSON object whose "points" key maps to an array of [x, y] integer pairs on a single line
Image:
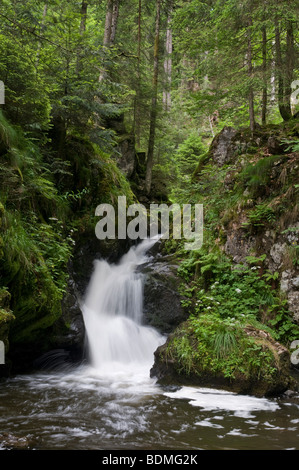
{"points": [[113, 310]]}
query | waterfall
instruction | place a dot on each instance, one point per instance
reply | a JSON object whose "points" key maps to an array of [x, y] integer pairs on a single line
{"points": [[113, 315]]}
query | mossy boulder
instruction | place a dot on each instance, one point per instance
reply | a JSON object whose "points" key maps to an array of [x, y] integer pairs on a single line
{"points": [[213, 352]]}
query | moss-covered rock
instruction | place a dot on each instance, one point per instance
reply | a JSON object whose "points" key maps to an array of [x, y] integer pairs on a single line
{"points": [[213, 352]]}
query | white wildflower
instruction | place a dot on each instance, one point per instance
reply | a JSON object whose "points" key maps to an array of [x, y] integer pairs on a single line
{"points": [[238, 290]]}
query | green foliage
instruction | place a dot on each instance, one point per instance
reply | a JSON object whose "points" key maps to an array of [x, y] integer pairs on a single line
{"points": [[34, 268], [293, 145], [220, 346], [39, 207], [26, 93], [224, 341], [188, 153], [260, 216], [257, 175], [241, 293], [285, 330]]}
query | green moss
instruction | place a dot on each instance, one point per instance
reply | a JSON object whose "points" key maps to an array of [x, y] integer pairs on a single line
{"points": [[201, 162], [209, 344]]}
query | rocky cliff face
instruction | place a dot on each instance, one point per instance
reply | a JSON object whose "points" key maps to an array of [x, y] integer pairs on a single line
{"points": [[264, 169], [250, 188], [266, 221]]}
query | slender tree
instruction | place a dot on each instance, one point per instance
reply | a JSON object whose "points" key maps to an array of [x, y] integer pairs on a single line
{"points": [[168, 62], [265, 88], [250, 75], [153, 114], [112, 14], [284, 71], [137, 100]]}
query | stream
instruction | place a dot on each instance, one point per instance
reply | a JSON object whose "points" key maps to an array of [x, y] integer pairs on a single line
{"points": [[111, 403]]}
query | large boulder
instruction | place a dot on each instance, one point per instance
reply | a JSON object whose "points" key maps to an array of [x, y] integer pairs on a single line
{"points": [[223, 147], [162, 302], [258, 366]]}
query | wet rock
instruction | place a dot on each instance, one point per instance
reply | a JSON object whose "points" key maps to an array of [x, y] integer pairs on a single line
{"points": [[69, 330], [168, 370], [11, 441], [162, 306]]}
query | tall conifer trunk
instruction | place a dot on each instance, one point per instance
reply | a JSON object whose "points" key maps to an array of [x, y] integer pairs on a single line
{"points": [[153, 115], [265, 93], [283, 72], [168, 63], [250, 75], [111, 20], [137, 100]]}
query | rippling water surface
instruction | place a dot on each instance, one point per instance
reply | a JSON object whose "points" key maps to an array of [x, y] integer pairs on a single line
{"points": [[81, 409]]}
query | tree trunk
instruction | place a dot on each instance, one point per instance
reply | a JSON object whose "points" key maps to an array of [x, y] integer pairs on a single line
{"points": [[107, 36], [84, 6], [41, 33], [250, 75], [168, 65], [265, 94], [284, 102], [83, 17], [290, 65], [136, 124], [108, 24], [153, 115], [114, 20]]}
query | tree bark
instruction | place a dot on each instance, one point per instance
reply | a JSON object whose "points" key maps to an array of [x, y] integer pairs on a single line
{"points": [[136, 124], [83, 17], [114, 21], [108, 24], [284, 102], [290, 65], [84, 7], [107, 36], [250, 75], [168, 64], [41, 33], [265, 94], [153, 114]]}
